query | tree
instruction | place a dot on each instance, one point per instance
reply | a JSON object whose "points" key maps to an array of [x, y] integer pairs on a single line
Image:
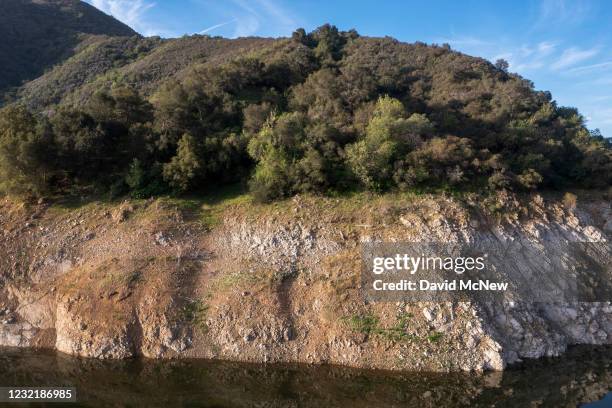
{"points": [[255, 116], [329, 43], [502, 65], [84, 149], [294, 155], [182, 170], [276, 149], [135, 177], [272, 178], [529, 179], [323, 111], [122, 105], [301, 37], [26, 153], [389, 136], [439, 161]]}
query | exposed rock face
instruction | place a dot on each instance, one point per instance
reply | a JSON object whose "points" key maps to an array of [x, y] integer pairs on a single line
{"points": [[276, 284]]}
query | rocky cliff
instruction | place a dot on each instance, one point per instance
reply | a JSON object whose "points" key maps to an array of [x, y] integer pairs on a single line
{"points": [[236, 280]]}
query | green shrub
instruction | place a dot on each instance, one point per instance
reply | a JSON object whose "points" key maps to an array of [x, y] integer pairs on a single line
{"points": [[323, 112], [26, 153]]}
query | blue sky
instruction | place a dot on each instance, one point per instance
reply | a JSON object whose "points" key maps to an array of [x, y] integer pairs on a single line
{"points": [[562, 46]]}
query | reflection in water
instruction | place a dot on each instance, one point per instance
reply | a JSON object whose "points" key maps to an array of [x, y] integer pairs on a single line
{"points": [[580, 376]]}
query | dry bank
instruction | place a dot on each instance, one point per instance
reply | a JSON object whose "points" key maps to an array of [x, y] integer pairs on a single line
{"points": [[237, 280]]}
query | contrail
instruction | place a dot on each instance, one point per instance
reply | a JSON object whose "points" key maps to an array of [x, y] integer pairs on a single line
{"points": [[217, 26]]}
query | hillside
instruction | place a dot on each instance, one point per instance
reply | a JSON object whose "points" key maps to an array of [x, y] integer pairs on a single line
{"points": [[143, 63], [324, 112], [37, 34]]}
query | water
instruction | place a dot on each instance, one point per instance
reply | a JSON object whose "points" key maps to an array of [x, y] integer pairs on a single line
{"points": [[581, 376]]}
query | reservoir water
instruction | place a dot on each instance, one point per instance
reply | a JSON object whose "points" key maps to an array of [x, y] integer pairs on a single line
{"points": [[581, 377]]}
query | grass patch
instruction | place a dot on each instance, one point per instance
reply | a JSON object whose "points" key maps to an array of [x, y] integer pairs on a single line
{"points": [[70, 204], [367, 324], [133, 278], [370, 325], [195, 312], [240, 279], [207, 209]]}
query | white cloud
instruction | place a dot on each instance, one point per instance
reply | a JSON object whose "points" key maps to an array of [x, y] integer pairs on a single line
{"points": [[601, 98], [554, 12], [253, 14], [572, 56], [531, 57], [278, 14], [130, 12], [465, 41], [546, 48], [604, 117], [522, 58], [247, 26], [592, 67]]}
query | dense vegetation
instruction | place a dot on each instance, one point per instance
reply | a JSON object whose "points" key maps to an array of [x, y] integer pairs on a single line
{"points": [[35, 35], [321, 112]]}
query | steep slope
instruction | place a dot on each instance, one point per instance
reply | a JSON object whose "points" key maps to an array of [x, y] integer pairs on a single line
{"points": [[37, 34], [143, 63], [449, 86], [279, 283], [465, 123], [94, 59]]}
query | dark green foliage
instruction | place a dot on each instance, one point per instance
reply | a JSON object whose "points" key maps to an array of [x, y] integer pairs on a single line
{"points": [[77, 78], [295, 154], [319, 112], [25, 153], [389, 136], [112, 148], [183, 169], [502, 64], [83, 146], [37, 34], [144, 183], [104, 138]]}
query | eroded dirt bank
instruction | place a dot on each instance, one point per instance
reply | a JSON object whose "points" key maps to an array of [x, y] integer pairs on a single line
{"points": [[276, 283]]}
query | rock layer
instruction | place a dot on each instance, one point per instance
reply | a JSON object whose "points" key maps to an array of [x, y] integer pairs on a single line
{"points": [[276, 283]]}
